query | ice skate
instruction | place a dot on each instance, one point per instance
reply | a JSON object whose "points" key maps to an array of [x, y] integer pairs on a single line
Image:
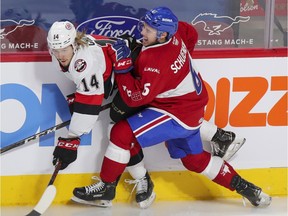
{"points": [[144, 190], [225, 144], [251, 192], [98, 194]]}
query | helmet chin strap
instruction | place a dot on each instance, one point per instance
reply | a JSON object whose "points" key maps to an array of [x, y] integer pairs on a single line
{"points": [[159, 33], [75, 47], [159, 39]]}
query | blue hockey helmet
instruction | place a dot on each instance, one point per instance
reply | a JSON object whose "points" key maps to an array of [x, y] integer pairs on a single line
{"points": [[162, 19]]}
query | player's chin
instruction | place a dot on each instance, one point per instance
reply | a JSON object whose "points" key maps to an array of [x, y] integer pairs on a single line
{"points": [[145, 42], [64, 63]]}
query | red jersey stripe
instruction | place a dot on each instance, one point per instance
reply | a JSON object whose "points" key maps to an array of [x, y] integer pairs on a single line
{"points": [[89, 99], [151, 125]]}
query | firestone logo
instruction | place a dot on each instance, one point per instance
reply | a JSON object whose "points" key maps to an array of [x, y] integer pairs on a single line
{"points": [[111, 26]]}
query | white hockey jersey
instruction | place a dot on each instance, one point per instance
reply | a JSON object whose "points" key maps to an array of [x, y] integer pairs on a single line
{"points": [[91, 71]]}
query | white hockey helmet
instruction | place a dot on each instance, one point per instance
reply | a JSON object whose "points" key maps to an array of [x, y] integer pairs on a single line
{"points": [[61, 34]]}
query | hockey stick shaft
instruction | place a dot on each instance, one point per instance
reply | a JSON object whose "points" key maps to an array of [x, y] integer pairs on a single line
{"points": [[48, 195], [55, 173], [43, 133], [35, 136]]}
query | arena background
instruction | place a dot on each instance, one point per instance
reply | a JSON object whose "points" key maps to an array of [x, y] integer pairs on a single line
{"points": [[241, 53]]}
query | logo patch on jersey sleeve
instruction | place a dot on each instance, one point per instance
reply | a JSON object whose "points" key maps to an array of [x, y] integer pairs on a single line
{"points": [[136, 96], [80, 65]]}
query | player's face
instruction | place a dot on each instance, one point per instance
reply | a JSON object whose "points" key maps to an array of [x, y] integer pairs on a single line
{"points": [[63, 55], [149, 35]]}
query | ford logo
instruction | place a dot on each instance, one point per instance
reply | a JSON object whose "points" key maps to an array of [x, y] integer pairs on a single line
{"points": [[111, 26]]}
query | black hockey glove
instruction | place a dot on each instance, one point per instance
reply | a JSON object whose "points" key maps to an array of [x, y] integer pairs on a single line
{"points": [[66, 151], [70, 100], [120, 110]]}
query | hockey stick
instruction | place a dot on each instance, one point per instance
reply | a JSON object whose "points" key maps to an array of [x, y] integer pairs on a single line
{"points": [[35, 136], [43, 133], [48, 195]]}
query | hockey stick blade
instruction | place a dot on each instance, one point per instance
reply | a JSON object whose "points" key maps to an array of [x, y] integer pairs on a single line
{"points": [[48, 195], [43, 133], [45, 201]]}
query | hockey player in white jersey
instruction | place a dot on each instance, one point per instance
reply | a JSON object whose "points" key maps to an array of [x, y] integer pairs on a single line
{"points": [[88, 60]]}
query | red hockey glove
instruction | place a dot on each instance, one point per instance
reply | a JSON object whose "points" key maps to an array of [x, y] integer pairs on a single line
{"points": [[123, 63], [66, 151]]}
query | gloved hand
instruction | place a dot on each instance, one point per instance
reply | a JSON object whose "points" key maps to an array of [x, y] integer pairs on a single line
{"points": [[134, 46], [70, 100], [130, 41], [66, 151], [123, 63]]}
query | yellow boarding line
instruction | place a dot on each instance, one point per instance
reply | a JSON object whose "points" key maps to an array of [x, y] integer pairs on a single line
{"points": [[169, 185]]}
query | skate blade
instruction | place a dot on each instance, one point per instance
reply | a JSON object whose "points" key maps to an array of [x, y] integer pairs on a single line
{"points": [[265, 200], [98, 203], [233, 149], [148, 202]]}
